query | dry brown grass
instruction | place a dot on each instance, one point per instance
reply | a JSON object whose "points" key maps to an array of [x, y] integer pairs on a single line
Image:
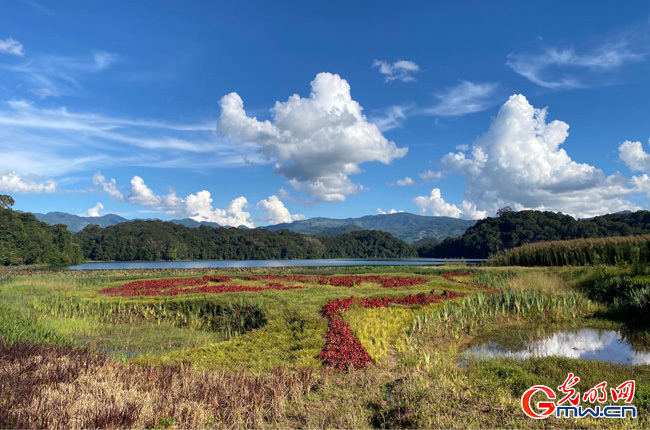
{"points": [[48, 387]]}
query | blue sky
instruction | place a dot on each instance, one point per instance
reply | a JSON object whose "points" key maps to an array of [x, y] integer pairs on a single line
{"points": [[263, 112]]}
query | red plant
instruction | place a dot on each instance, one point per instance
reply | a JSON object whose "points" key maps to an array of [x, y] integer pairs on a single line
{"points": [[341, 349], [385, 281], [169, 287], [343, 281], [136, 288]]}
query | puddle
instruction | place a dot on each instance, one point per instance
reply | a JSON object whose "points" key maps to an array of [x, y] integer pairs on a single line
{"points": [[586, 343]]}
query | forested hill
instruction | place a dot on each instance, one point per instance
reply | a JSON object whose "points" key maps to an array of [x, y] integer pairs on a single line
{"points": [[513, 229], [403, 225], [25, 240], [408, 227], [158, 240]]}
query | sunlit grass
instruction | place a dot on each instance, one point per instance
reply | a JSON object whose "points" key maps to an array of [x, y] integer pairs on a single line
{"points": [[414, 382]]}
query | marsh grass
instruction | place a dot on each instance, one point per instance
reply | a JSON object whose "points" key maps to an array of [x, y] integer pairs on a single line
{"points": [[633, 250], [196, 378], [293, 336], [471, 312], [200, 313]]}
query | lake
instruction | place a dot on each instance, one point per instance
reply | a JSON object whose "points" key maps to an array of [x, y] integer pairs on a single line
{"points": [[203, 264], [586, 343]]}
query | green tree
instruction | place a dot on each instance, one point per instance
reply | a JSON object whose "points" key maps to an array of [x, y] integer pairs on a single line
{"points": [[504, 210], [6, 201]]}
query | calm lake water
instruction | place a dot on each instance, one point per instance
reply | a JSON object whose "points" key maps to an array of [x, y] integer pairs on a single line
{"points": [[587, 343], [202, 264]]}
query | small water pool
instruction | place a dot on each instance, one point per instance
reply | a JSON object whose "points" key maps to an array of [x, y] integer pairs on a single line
{"points": [[586, 343]]}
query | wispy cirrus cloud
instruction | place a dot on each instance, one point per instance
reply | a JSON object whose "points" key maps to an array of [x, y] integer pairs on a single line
{"points": [[54, 75], [565, 68], [462, 99], [58, 141], [392, 117]]}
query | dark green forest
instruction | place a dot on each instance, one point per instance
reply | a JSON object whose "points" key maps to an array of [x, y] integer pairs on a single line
{"points": [[166, 241], [512, 229], [25, 240]]}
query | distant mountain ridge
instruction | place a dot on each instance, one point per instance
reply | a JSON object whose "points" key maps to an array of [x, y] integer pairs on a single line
{"points": [[77, 223], [405, 226]]}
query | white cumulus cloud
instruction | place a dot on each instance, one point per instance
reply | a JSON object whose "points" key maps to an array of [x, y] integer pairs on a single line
{"points": [[12, 182], [406, 182], [519, 163], [400, 70], [94, 211], [634, 156], [12, 47], [317, 142], [436, 205], [199, 208], [275, 212], [195, 206], [380, 211], [431, 176], [637, 160]]}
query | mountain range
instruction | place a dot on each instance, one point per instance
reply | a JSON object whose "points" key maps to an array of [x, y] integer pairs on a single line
{"points": [[403, 225], [406, 226]]}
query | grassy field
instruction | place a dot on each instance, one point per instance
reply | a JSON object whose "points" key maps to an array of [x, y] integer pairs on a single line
{"points": [[78, 351]]}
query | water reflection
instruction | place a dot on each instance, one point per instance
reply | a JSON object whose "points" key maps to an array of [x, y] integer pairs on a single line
{"points": [[269, 263], [587, 343]]}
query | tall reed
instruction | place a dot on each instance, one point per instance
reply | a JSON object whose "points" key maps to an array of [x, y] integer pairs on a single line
{"points": [[471, 312], [577, 252]]}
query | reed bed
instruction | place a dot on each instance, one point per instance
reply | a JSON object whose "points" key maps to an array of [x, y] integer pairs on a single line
{"points": [[43, 386], [469, 313], [231, 319], [578, 252]]}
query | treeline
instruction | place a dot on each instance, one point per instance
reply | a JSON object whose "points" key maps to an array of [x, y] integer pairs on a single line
{"points": [[512, 229], [25, 240], [577, 252], [166, 241]]}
